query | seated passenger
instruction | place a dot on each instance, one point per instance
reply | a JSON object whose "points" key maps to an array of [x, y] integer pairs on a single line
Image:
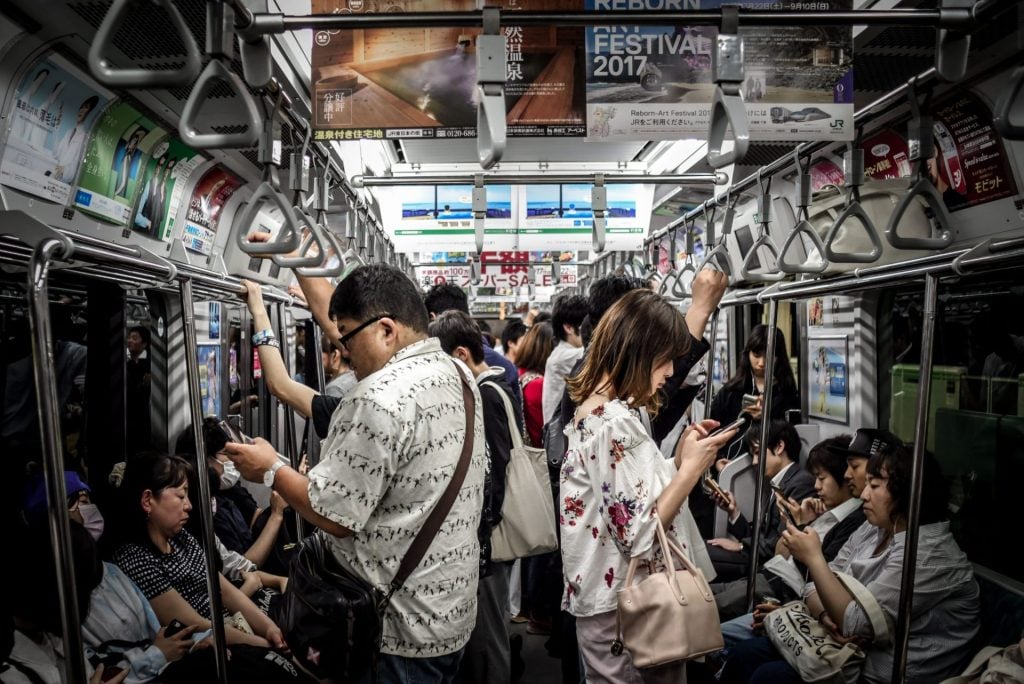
{"points": [[834, 514], [945, 608], [260, 535], [731, 556], [167, 563], [37, 651]]}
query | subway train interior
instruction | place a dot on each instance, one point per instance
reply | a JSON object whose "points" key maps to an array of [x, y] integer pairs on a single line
{"points": [[850, 172]]}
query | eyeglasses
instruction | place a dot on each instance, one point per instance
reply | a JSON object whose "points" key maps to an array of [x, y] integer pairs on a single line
{"points": [[346, 338]]}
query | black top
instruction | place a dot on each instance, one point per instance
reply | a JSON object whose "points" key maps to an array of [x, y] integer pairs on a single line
{"points": [[499, 451], [322, 409], [728, 403], [798, 484]]}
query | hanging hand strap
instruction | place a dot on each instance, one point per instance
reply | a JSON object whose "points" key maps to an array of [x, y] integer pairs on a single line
{"points": [[437, 516]]}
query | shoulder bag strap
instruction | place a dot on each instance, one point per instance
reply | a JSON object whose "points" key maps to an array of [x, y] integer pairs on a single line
{"points": [[430, 528], [869, 603], [517, 439]]}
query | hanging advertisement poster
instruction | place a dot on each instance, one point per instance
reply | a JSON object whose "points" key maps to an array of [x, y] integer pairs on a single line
{"points": [[208, 198], [828, 390], [561, 217], [50, 119], [969, 166], [650, 82], [421, 83], [163, 183], [426, 216], [209, 378], [115, 161]]}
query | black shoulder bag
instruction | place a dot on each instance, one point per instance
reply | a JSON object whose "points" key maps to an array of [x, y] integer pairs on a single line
{"points": [[332, 619]]}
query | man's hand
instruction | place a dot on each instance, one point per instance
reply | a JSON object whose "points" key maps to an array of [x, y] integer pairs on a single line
{"points": [[727, 544], [252, 460], [254, 297]]}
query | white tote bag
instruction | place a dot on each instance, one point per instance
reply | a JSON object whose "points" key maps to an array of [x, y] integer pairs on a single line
{"points": [[807, 645], [527, 526]]}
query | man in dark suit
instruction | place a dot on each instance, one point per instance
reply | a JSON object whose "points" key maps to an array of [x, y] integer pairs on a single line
{"points": [[731, 557]]}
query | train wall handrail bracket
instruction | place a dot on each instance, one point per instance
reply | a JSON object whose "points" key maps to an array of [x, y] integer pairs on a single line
{"points": [[853, 173], [803, 227], [727, 108], [1008, 117], [113, 77], [952, 45], [491, 127], [599, 204], [921, 146], [288, 236], [298, 183], [219, 43]]}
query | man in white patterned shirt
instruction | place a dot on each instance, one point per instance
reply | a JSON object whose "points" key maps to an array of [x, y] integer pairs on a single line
{"points": [[390, 451]]}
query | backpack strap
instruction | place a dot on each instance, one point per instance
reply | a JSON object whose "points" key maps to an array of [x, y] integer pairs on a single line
{"points": [[437, 516]]}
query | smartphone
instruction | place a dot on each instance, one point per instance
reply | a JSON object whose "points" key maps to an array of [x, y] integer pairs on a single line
{"points": [[785, 510], [714, 486], [174, 627], [233, 434], [749, 400], [737, 424]]}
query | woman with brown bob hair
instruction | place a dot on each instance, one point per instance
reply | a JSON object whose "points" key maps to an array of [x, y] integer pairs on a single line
{"points": [[616, 484], [531, 357]]}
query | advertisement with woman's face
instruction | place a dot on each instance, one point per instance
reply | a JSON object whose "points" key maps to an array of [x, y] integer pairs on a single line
{"points": [[50, 118]]}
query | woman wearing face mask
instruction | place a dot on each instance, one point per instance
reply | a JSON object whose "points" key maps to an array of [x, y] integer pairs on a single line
{"points": [[80, 506], [239, 523]]}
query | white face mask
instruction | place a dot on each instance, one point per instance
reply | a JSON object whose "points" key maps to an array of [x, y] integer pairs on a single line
{"points": [[92, 519], [230, 477]]}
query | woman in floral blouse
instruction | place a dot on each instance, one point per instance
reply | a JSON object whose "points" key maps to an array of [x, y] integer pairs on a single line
{"points": [[615, 480]]}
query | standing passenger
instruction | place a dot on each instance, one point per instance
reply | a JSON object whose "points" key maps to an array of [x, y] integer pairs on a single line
{"points": [[394, 439], [566, 319], [614, 479]]}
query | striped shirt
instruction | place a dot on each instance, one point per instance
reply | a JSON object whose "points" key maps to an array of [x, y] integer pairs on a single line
{"points": [[945, 604], [389, 454]]}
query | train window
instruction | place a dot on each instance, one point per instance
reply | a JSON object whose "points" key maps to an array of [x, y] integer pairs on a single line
{"points": [[976, 411]]}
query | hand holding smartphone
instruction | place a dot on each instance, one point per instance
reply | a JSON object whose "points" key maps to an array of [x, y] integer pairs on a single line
{"points": [[233, 434], [174, 627]]}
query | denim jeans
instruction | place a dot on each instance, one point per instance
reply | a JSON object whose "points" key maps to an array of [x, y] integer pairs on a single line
{"points": [[755, 661], [393, 669]]}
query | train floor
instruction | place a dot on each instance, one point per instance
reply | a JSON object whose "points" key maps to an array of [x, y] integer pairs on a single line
{"points": [[540, 668]]}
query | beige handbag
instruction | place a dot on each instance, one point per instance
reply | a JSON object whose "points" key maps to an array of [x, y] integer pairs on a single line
{"points": [[669, 616], [527, 526]]}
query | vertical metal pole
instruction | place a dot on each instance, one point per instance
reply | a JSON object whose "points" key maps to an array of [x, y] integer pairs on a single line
{"points": [[313, 443], [203, 482], [288, 434], [766, 413], [924, 387], [709, 388], [245, 369], [53, 467]]}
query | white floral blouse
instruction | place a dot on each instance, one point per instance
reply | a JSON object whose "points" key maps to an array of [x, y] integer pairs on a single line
{"points": [[612, 476]]}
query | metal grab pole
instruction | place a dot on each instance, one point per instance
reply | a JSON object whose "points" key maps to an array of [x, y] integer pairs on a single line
{"points": [[203, 482], [709, 384], [245, 371], [313, 444], [924, 387], [766, 407], [53, 469], [288, 434]]}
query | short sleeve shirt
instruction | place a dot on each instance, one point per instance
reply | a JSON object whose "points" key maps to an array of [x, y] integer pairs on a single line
{"points": [[389, 454], [155, 573]]}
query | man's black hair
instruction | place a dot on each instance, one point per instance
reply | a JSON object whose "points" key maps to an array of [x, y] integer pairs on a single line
{"points": [[778, 431], [143, 332], [568, 310], [542, 317], [377, 289], [457, 329], [513, 330], [606, 291], [446, 297]]}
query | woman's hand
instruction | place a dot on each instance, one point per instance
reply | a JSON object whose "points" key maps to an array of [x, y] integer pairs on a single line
{"points": [[175, 646], [726, 544], [277, 504], [755, 409], [97, 676], [275, 638], [696, 451], [760, 611], [805, 545]]}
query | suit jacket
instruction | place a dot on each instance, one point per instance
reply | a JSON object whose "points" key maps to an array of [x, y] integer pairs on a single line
{"points": [[798, 484]]}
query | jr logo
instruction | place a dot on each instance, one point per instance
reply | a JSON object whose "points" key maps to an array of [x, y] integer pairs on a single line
{"points": [[838, 123]]}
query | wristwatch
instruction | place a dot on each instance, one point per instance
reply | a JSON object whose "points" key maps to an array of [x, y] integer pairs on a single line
{"points": [[268, 477]]}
